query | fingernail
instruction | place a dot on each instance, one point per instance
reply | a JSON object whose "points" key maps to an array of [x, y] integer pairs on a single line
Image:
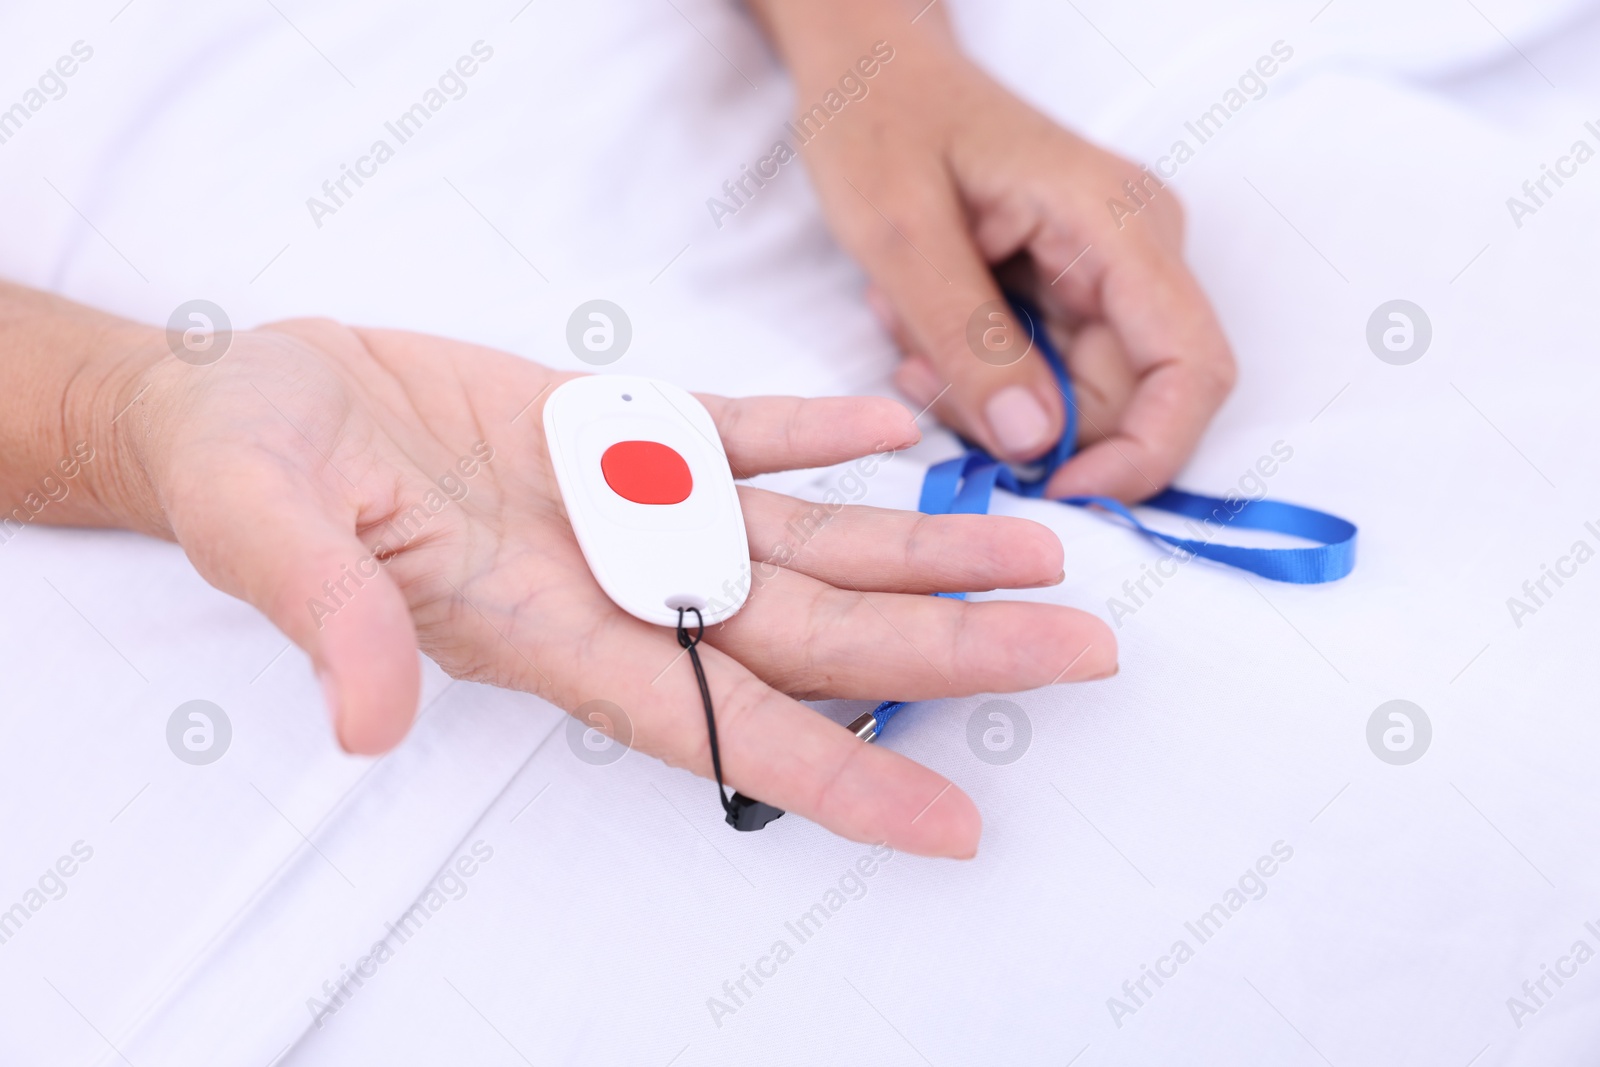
{"points": [[1112, 673], [330, 697], [1018, 421]]}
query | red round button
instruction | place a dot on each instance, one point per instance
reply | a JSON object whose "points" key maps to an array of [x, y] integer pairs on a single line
{"points": [[646, 472]]}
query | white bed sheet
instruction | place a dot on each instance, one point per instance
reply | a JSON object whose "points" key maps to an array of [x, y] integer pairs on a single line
{"points": [[1418, 899]]}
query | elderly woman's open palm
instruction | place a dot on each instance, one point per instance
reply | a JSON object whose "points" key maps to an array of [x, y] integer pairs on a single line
{"points": [[373, 492]]}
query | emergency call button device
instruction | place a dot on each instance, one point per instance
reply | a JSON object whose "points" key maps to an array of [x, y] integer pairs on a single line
{"points": [[650, 497]]}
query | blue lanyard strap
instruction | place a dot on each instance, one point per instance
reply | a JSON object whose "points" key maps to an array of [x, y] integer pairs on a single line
{"points": [[966, 484], [1334, 558]]}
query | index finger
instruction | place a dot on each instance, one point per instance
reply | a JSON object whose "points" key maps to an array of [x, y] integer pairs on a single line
{"points": [[1184, 371], [778, 433]]}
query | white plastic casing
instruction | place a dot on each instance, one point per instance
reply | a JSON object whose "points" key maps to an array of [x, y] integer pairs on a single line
{"points": [[650, 558]]}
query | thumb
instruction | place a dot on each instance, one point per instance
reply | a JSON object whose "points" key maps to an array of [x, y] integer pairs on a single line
{"points": [[262, 537], [969, 354]]}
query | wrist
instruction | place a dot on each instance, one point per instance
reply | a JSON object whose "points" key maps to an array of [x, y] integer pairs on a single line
{"points": [[114, 414], [68, 374], [820, 39]]}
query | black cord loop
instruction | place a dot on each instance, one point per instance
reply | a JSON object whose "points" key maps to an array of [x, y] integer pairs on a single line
{"points": [[743, 813], [689, 644]]}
